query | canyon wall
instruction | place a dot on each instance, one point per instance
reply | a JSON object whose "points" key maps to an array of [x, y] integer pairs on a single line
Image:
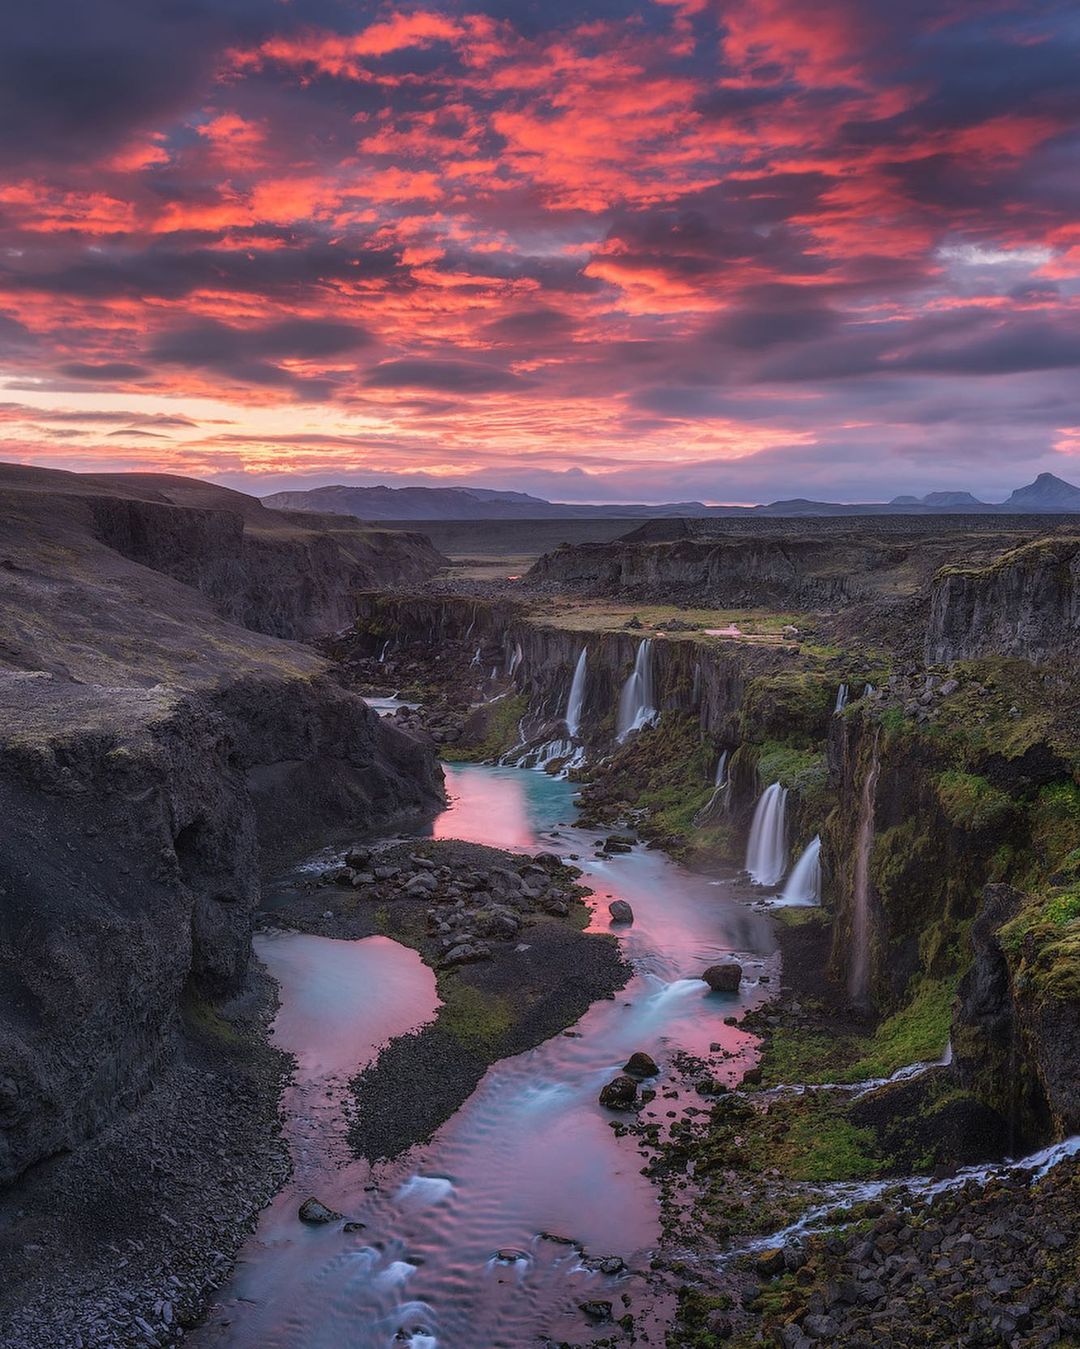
{"points": [[155, 759], [283, 578], [1025, 604]]}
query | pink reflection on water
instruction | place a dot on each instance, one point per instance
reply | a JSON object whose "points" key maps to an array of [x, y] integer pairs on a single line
{"points": [[492, 809]]}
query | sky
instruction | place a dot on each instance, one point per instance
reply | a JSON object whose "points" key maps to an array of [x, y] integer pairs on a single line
{"points": [[598, 250]]}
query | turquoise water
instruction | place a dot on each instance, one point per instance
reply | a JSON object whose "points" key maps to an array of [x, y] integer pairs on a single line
{"points": [[531, 1152]]}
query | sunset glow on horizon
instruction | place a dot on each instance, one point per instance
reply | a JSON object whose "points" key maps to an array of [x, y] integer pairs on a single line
{"points": [[669, 250]]}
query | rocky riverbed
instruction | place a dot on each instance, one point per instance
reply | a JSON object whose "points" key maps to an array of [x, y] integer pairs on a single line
{"points": [[504, 932]]}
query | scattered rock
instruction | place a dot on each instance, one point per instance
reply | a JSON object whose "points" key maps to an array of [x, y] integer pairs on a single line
{"points": [[725, 977], [620, 1093], [640, 1065], [620, 911], [596, 1311], [314, 1211]]}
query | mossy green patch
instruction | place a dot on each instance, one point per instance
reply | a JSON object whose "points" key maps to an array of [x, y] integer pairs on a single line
{"points": [[793, 706], [500, 732], [476, 1018], [970, 802]]}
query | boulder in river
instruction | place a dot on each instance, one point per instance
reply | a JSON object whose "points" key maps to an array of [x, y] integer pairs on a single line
{"points": [[313, 1211], [596, 1310], [725, 977], [640, 1065], [620, 911], [620, 1093], [619, 843]]}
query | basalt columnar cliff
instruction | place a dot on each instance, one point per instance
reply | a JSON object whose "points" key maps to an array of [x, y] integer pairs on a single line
{"points": [[157, 752]]}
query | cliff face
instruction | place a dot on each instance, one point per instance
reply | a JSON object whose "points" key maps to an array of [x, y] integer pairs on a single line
{"points": [[154, 758], [1025, 604], [275, 575]]}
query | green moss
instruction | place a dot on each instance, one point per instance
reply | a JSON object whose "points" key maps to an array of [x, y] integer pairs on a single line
{"points": [[802, 770], [794, 706], [500, 733], [831, 1149], [201, 1015], [477, 1019], [918, 1032], [972, 803]]}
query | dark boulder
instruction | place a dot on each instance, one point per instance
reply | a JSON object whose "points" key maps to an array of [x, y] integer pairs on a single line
{"points": [[620, 911], [725, 977], [619, 1094], [640, 1065]]}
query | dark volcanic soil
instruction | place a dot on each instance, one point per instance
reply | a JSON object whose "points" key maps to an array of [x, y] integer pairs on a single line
{"points": [[532, 985]]}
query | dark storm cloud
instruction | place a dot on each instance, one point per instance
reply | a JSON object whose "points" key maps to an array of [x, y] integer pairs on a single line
{"points": [[168, 271], [103, 370], [247, 355], [444, 376]]}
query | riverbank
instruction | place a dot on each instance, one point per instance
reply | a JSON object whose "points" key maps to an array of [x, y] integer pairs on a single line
{"points": [[504, 932], [123, 1241]]}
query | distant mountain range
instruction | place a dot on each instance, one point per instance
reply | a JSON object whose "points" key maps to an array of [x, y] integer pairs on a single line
{"points": [[1046, 495]]}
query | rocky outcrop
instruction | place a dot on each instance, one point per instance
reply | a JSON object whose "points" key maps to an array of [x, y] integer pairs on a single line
{"points": [[154, 759], [278, 576], [1026, 604]]}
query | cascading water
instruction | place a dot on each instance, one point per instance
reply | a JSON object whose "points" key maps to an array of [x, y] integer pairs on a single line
{"points": [[383, 652], [515, 661], [858, 982], [576, 701], [720, 779], [841, 698], [804, 883], [766, 851], [636, 700]]}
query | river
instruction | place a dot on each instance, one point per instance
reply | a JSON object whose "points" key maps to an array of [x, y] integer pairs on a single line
{"points": [[530, 1153]]}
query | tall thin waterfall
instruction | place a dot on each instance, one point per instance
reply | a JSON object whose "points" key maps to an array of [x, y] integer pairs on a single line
{"points": [[515, 660], [720, 780], [804, 883], [841, 698], [636, 700], [384, 651], [576, 701], [766, 852], [858, 981]]}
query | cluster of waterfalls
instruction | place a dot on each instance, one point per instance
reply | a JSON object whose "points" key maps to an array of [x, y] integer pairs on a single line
{"points": [[767, 851]]}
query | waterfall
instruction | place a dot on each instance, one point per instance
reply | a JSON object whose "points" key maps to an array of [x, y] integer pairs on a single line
{"points": [[576, 701], [804, 883], [695, 696], [636, 700], [841, 698], [385, 649], [515, 660], [720, 780], [766, 852], [476, 657], [858, 981], [868, 691]]}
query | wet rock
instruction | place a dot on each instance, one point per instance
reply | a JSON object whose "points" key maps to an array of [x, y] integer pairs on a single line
{"points": [[725, 977], [620, 911], [358, 858], [619, 1094], [620, 843], [720, 1325], [315, 1212], [640, 1065], [596, 1311], [354, 1226], [466, 952], [770, 1263]]}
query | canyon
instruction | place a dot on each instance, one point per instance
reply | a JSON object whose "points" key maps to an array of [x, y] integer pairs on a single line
{"points": [[844, 757]]}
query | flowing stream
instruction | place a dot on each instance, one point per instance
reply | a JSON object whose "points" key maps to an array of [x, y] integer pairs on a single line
{"points": [[530, 1153]]}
